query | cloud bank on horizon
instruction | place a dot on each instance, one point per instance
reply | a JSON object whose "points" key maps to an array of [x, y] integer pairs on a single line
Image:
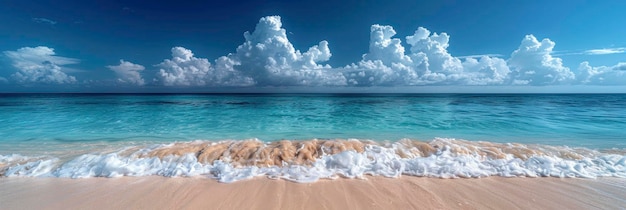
{"points": [[268, 58]]}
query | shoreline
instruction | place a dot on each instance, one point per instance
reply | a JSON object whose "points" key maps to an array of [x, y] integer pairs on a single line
{"points": [[406, 192], [310, 160]]}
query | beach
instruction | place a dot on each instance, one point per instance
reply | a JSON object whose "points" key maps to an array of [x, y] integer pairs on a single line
{"points": [[359, 105], [406, 192], [203, 151]]}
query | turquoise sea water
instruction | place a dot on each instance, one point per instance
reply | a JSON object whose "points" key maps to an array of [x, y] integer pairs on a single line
{"points": [[596, 121], [86, 135]]}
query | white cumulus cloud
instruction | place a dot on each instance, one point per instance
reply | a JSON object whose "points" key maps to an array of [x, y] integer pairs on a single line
{"points": [[428, 62], [385, 64], [183, 69], [533, 64], [602, 75], [128, 73], [40, 65], [268, 57], [186, 70], [485, 70]]}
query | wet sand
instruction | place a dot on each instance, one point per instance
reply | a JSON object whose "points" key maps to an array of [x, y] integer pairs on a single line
{"points": [[262, 193]]}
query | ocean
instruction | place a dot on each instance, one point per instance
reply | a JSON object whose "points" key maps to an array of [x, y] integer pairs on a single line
{"points": [[307, 137]]}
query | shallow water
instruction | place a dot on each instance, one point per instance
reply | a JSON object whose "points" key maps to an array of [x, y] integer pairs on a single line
{"points": [[596, 121]]}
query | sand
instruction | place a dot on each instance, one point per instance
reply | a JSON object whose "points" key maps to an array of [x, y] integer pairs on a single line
{"points": [[262, 193]]}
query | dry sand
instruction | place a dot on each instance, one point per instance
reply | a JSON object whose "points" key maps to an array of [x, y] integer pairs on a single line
{"points": [[262, 193]]}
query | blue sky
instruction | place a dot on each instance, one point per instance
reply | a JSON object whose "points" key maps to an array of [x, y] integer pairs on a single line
{"points": [[200, 45]]}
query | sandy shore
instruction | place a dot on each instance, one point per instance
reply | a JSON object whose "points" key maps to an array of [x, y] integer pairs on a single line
{"points": [[262, 193]]}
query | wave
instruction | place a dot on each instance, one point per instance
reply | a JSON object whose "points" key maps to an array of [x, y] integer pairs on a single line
{"points": [[311, 160]]}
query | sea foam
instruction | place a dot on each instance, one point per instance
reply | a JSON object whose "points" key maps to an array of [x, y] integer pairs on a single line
{"points": [[309, 161]]}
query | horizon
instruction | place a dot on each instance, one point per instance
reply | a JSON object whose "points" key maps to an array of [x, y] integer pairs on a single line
{"points": [[354, 90]]}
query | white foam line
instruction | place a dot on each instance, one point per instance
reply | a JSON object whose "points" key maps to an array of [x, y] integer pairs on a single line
{"points": [[376, 160]]}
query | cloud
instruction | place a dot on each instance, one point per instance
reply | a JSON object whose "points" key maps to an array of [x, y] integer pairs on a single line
{"points": [[183, 69], [620, 67], [28, 56], [480, 56], [602, 75], [266, 58], [3, 80], [602, 51], [429, 62], [605, 51], [385, 64], [533, 64], [44, 21], [128, 72], [269, 59], [40, 65], [186, 70], [486, 70]]}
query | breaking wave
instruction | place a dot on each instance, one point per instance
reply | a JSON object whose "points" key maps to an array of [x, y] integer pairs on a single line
{"points": [[311, 160]]}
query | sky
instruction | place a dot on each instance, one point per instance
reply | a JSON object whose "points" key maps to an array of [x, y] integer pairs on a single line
{"points": [[407, 46]]}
